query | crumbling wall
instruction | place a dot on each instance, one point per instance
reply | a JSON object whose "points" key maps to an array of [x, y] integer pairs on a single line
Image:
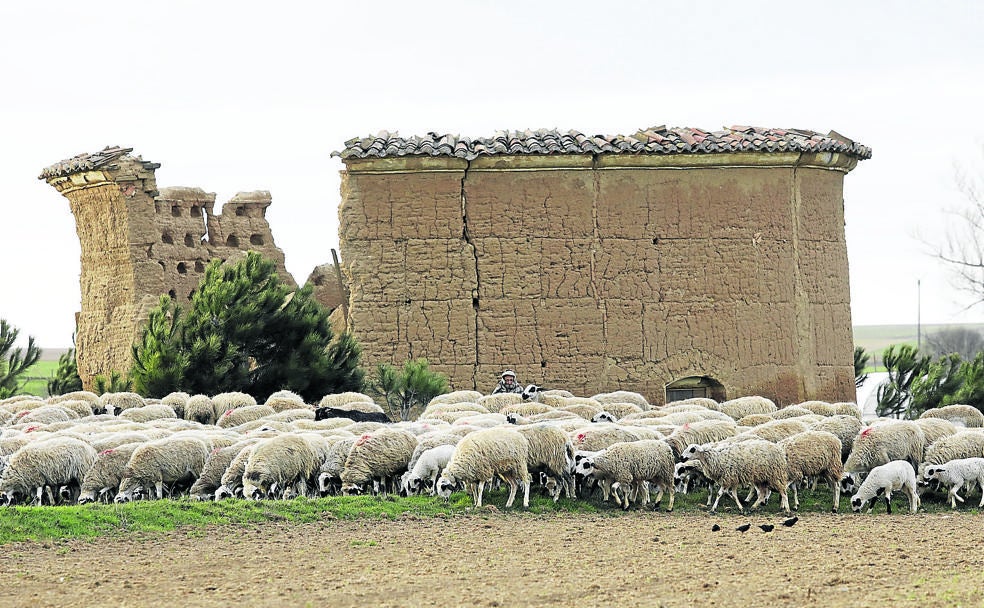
{"points": [[597, 272], [138, 243]]}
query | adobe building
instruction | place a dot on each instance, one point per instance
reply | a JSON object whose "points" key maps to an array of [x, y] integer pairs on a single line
{"points": [[139, 242], [670, 262]]}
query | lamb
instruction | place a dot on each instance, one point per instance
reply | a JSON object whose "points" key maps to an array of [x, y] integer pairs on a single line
{"points": [[813, 454], [148, 412], [215, 466], [877, 445], [753, 462], [961, 415], [279, 464], [241, 415], [551, 451], [743, 406], [44, 465], [381, 455], [483, 455], [632, 466], [427, 469], [102, 480], [965, 444], [885, 479], [200, 409], [706, 431], [956, 473], [165, 461]]}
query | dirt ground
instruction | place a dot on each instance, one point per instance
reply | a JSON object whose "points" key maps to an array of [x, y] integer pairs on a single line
{"points": [[499, 559]]}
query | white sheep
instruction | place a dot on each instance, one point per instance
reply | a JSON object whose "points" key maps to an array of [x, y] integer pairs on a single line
{"points": [[632, 467], [330, 473], [484, 455], [177, 400], [279, 464], [200, 409], [883, 480], [743, 406], [956, 473], [215, 466], [752, 462], [961, 415], [241, 415], [230, 401], [380, 456], [965, 444], [43, 466], [427, 469], [551, 452], [844, 426], [358, 402], [705, 431], [877, 445], [232, 478], [165, 461], [813, 454], [147, 413], [114, 403], [102, 480], [622, 397], [936, 428]]}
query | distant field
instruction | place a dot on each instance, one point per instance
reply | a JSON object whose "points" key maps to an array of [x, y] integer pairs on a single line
{"points": [[876, 338], [38, 375]]}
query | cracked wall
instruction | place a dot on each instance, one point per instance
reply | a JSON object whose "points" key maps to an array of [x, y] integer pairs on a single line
{"points": [[596, 273]]}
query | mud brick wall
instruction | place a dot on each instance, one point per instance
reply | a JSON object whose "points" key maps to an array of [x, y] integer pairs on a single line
{"points": [[602, 272], [138, 243]]}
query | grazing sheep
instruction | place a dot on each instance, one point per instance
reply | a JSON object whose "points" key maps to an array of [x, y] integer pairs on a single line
{"points": [[102, 480], [330, 473], [431, 440], [484, 455], [965, 444], [230, 401], [232, 478], [165, 461], [47, 414], [606, 399], [792, 411], [200, 408], [621, 410], [885, 479], [705, 431], [241, 415], [599, 436], [818, 407], [753, 462], [557, 401], [966, 416], [82, 408], [584, 410], [956, 473], [463, 406], [427, 469], [813, 454], [147, 413], [324, 413], [551, 452], [457, 397], [632, 467], [114, 403], [845, 427], [279, 464], [743, 406], [177, 400], [778, 430], [935, 428], [218, 461], [526, 409], [877, 445], [44, 466], [350, 401], [88, 396], [848, 408], [380, 455], [495, 403]]}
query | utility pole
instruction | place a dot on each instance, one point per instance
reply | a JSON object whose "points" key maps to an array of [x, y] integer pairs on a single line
{"points": [[918, 314]]}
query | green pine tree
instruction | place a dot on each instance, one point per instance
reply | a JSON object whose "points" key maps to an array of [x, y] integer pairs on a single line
{"points": [[941, 380], [159, 362], [408, 389], [66, 378], [905, 365], [14, 361], [971, 391]]}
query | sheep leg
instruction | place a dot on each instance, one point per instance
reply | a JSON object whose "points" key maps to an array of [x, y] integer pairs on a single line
{"points": [[512, 492], [734, 494], [159, 486], [645, 493], [479, 490], [784, 501], [837, 494], [672, 492], [796, 497], [659, 496], [888, 501], [526, 493], [954, 497]]}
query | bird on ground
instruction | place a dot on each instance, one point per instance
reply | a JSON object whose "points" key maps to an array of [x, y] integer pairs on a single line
{"points": [[715, 528], [743, 527], [767, 527], [789, 523]]}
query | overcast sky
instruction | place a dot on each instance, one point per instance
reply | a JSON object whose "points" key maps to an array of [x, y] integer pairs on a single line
{"points": [[239, 96]]}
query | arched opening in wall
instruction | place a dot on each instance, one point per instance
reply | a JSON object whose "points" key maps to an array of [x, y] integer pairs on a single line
{"points": [[167, 238], [182, 268], [190, 240], [256, 239], [695, 386], [175, 211], [199, 266], [232, 241], [240, 211]]}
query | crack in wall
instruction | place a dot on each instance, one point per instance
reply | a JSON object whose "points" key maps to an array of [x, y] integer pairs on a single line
{"points": [[595, 245], [800, 299], [466, 237]]}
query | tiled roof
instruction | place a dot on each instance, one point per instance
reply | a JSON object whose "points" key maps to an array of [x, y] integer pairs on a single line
{"points": [[655, 140], [88, 162]]}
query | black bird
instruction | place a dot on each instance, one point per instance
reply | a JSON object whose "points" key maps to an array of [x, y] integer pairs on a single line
{"points": [[743, 527], [715, 528], [767, 527], [789, 523]]}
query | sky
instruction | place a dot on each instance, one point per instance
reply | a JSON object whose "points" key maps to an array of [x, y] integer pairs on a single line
{"points": [[241, 96]]}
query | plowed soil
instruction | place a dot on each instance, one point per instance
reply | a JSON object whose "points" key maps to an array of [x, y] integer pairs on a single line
{"points": [[514, 559]]}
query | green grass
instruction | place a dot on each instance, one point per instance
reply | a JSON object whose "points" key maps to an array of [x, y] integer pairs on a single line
{"points": [[40, 524], [39, 373]]}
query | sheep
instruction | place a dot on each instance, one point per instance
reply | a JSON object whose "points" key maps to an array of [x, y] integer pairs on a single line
{"points": [[483, 420], [792, 411], [431, 440], [464, 406], [813, 454], [46, 414], [330, 473], [457, 397], [743, 406], [232, 478], [494, 403], [701, 401], [583, 410], [845, 427], [230, 401], [621, 410], [177, 400], [526, 409], [324, 413], [885, 479], [935, 428], [114, 403], [44, 465], [484, 455], [550, 451], [778, 430], [148, 413], [279, 463], [600, 436], [200, 409], [847, 408], [241, 415], [350, 401], [102, 480], [818, 407], [557, 401], [88, 396], [379, 455], [753, 462], [165, 461], [706, 431], [632, 466], [877, 445], [956, 473], [215, 466], [961, 415], [606, 399], [427, 469], [965, 444], [81, 408]]}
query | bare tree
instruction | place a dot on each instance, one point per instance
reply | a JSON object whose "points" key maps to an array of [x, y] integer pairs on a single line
{"points": [[963, 248], [960, 340]]}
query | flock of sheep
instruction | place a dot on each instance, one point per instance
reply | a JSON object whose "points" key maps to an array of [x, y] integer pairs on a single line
{"points": [[80, 448]]}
